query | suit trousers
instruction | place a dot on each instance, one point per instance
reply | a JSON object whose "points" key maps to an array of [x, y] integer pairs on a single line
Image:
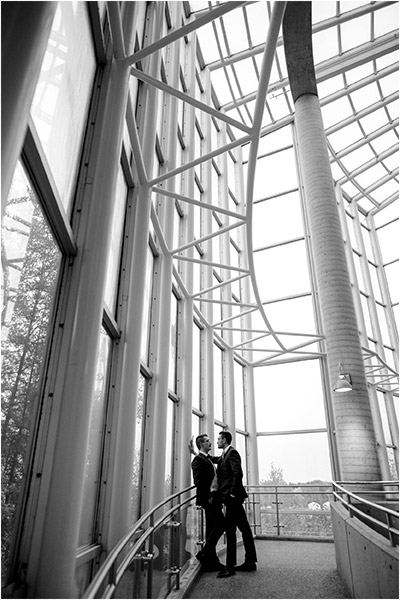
{"points": [[235, 516], [215, 527]]}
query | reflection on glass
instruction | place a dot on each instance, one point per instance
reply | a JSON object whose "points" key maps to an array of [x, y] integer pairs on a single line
{"points": [[169, 448], [137, 461], [63, 92], [94, 452], [31, 261]]}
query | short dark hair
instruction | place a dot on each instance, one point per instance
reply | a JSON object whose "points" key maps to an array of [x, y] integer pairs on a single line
{"points": [[200, 439], [227, 435]]}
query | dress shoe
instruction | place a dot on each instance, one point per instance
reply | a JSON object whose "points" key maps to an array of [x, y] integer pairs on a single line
{"points": [[246, 566], [226, 573], [209, 565]]}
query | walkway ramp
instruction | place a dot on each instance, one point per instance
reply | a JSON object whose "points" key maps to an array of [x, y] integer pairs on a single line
{"points": [[286, 569]]}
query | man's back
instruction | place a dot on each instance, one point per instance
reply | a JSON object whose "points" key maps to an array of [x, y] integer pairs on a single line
{"points": [[230, 475]]}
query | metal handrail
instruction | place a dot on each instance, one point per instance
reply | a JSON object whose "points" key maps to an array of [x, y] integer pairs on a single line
{"points": [[386, 524], [128, 549], [279, 491], [109, 568]]}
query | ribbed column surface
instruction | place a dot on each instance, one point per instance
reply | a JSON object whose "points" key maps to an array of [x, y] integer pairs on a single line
{"points": [[353, 418]]}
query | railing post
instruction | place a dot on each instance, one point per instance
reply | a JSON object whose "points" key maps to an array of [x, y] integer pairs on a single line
{"points": [[278, 525], [178, 544], [351, 513], [112, 575], [137, 567], [200, 528], [140, 562], [390, 532], [252, 504], [173, 569], [150, 576], [151, 552]]}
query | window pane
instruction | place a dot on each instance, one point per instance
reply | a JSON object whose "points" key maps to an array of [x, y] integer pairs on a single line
{"points": [[277, 220], [239, 396], [137, 462], [169, 449], [114, 253], [386, 235], [218, 390], [284, 316], [144, 348], [63, 93], [31, 261], [93, 457], [291, 260], [196, 367], [174, 342], [303, 457], [281, 169], [196, 422], [241, 448], [282, 408]]}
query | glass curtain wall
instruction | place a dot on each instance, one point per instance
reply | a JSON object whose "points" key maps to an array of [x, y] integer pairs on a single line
{"points": [[31, 261], [36, 243], [229, 336]]}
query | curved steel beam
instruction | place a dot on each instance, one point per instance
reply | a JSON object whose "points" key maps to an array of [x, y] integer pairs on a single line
{"points": [[274, 27]]}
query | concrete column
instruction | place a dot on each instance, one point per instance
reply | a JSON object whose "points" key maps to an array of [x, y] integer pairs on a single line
{"points": [[25, 30], [355, 436], [379, 433]]}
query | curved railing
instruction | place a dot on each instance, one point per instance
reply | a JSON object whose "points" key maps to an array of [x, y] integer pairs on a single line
{"points": [[150, 559], [376, 511], [154, 541]]}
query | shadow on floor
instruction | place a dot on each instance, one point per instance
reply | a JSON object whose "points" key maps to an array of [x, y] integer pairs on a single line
{"points": [[285, 570]]}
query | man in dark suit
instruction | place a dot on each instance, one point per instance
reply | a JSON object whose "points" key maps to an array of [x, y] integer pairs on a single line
{"points": [[230, 483], [207, 496]]}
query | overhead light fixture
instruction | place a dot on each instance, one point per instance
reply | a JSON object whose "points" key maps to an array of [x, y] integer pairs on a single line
{"points": [[343, 384]]}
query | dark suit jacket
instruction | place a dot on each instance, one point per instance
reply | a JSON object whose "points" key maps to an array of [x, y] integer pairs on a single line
{"points": [[230, 475], [203, 474]]}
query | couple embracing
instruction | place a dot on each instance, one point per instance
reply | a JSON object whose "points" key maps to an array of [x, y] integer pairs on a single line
{"points": [[219, 483]]}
